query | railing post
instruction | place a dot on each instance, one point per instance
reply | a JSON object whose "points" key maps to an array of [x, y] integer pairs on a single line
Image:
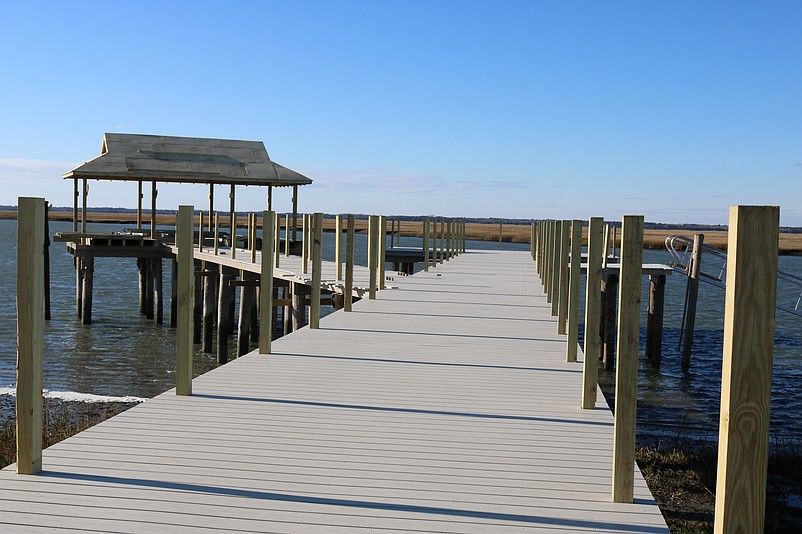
{"points": [[338, 246], [186, 298], [317, 266], [626, 376], [373, 254], [304, 245], [590, 367], [573, 291], [555, 268], [349, 265], [382, 248], [216, 233], [30, 319], [287, 235], [266, 325], [562, 291], [425, 244], [749, 319], [276, 238]]}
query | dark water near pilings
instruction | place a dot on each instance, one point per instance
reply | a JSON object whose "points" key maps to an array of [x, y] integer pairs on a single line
{"points": [[122, 354]]}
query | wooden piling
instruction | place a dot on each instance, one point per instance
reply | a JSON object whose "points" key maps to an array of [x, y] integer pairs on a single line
{"points": [[425, 244], [142, 268], [246, 301], [349, 265], [654, 319], [338, 247], [500, 234], [555, 268], [216, 233], [225, 297], [304, 245], [46, 274], [186, 283], [590, 367], [691, 296], [197, 308], [298, 306], [158, 290], [373, 254], [276, 239], [317, 266], [266, 323], [173, 292], [382, 250], [562, 291], [252, 240], [30, 319], [749, 323], [210, 300], [86, 290], [573, 291], [608, 320], [626, 377], [233, 235], [287, 236]]}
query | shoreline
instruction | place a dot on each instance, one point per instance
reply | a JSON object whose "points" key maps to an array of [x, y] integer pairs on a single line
{"points": [[654, 239]]}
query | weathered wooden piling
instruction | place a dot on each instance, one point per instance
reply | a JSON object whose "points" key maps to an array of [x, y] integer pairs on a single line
{"points": [[562, 287], [210, 301], [691, 297], [158, 290], [626, 377], [555, 268], [87, 282], [338, 247], [225, 299], [349, 265], [30, 319], [298, 306], [382, 250], [173, 292], [373, 254], [266, 323], [246, 302], [426, 244], [608, 319], [749, 322], [317, 265], [654, 319]]}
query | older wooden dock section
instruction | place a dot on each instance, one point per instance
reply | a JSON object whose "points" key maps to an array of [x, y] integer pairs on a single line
{"points": [[443, 406]]}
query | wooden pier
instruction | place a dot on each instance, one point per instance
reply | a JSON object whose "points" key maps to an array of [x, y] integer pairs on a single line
{"points": [[444, 405]]}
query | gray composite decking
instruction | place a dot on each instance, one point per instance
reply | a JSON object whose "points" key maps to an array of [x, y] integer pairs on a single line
{"points": [[443, 406]]}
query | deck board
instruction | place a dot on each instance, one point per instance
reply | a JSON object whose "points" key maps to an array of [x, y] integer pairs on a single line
{"points": [[445, 405]]}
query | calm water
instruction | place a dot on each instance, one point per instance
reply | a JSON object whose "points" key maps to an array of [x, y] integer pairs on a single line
{"points": [[122, 354]]}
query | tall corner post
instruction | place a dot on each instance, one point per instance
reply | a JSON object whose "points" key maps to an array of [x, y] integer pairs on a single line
{"points": [[317, 266], [266, 322], [573, 291], [749, 323], [30, 320], [186, 300], [626, 376], [590, 367], [349, 265]]}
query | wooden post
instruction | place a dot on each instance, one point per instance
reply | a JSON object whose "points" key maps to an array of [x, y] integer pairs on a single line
{"points": [[30, 324], [608, 320], [500, 234], [173, 292], [590, 367], [654, 319], [287, 236], [441, 245], [573, 291], [234, 236], [606, 245], [308, 237], [216, 233], [76, 194], [86, 293], [433, 242], [555, 268], [224, 318], [276, 239], [153, 194], [449, 244], [83, 205], [46, 274], [246, 300], [392, 233], [197, 305], [210, 300], [269, 198], [626, 376], [690, 299], [211, 205], [266, 323], [186, 289], [349, 265], [304, 246], [317, 265], [294, 211], [158, 290], [200, 231], [562, 291], [749, 323], [253, 238], [382, 249], [338, 247], [298, 306], [373, 254], [149, 289], [425, 244]]}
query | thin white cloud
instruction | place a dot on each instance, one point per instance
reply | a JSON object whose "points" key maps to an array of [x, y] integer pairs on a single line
{"points": [[33, 170]]}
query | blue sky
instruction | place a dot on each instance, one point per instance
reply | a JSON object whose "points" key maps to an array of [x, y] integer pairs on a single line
{"points": [[533, 109]]}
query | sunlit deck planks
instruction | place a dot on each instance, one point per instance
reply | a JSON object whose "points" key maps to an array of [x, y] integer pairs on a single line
{"points": [[443, 406]]}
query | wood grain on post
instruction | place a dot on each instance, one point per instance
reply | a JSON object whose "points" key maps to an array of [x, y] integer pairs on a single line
{"points": [[276, 239], [30, 319], [349, 265], [304, 245], [626, 376], [200, 232], [287, 235], [562, 291], [338, 247], [692, 296], [216, 233], [254, 228], [266, 325], [233, 235], [573, 291], [590, 367], [317, 266], [749, 322], [186, 299]]}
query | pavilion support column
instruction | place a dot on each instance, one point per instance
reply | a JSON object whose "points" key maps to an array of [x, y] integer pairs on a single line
{"points": [[83, 206], [75, 196], [154, 192], [86, 290], [294, 211], [211, 205], [232, 221], [142, 267], [269, 198], [139, 205]]}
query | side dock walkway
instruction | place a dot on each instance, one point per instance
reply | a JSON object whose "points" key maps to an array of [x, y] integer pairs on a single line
{"points": [[443, 406]]}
